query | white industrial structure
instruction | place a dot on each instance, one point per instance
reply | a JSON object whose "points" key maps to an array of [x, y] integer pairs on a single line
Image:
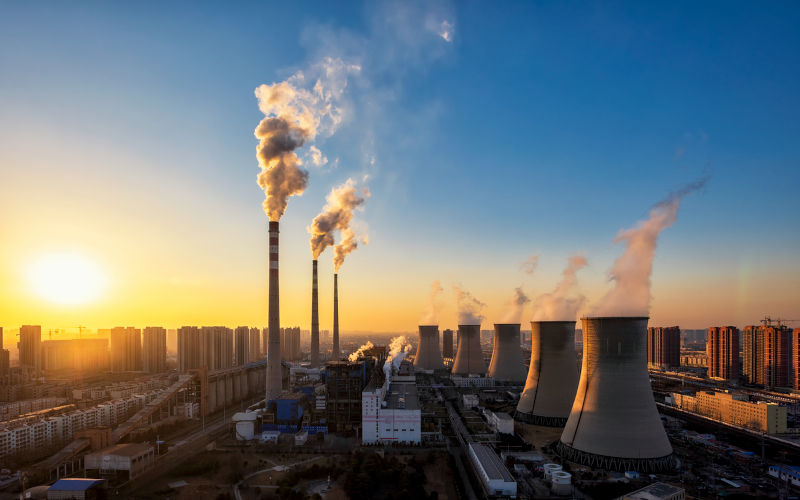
{"points": [[507, 364], [494, 476], [429, 356], [390, 413]]}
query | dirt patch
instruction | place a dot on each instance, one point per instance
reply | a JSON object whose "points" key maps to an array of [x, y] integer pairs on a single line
{"points": [[439, 478], [537, 435]]}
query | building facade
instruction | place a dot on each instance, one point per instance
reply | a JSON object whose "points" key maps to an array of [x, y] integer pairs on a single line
{"points": [[722, 351], [735, 409], [126, 349], [154, 349], [241, 341], [30, 347], [664, 347], [765, 355]]}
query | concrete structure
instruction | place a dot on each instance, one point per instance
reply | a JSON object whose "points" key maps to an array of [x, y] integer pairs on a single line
{"points": [[216, 347], [561, 483], [75, 356], [314, 316], [657, 491], [335, 353], [614, 423], [507, 364], [188, 349], [290, 344], [664, 347], [154, 349], [722, 351], [274, 381], [495, 478], [499, 422], [469, 358], [735, 409], [241, 345], [428, 357], [765, 355], [345, 383], [447, 344], [796, 359], [30, 344], [255, 345], [390, 412], [75, 488], [120, 463], [552, 375], [126, 349]]}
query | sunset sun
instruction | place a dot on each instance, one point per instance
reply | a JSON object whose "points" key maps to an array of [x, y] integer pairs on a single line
{"points": [[67, 278]]}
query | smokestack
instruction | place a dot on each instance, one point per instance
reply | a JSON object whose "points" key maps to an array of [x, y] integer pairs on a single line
{"points": [[429, 357], [552, 375], [274, 353], [335, 352], [614, 423], [314, 317], [507, 364], [469, 359]]}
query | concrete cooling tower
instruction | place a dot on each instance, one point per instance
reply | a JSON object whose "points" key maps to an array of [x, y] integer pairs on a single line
{"points": [[506, 364], [429, 357], [469, 358], [552, 375], [614, 423]]}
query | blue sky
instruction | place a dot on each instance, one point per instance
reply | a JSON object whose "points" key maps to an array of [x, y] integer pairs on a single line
{"points": [[540, 128]]}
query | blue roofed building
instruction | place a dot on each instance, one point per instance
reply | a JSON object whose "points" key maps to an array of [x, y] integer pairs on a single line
{"points": [[78, 489]]}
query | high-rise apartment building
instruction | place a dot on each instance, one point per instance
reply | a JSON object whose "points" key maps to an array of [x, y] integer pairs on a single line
{"points": [[154, 349], [447, 344], [765, 355], [30, 346], [796, 358], [664, 346], [290, 344], [241, 340], [216, 347], [255, 345], [753, 354], [75, 356], [722, 351], [126, 349], [188, 348], [5, 360]]}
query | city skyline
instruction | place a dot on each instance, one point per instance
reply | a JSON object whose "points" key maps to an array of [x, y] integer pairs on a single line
{"points": [[141, 165]]}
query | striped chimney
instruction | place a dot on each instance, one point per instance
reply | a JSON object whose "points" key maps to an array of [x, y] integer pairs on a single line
{"points": [[274, 348], [314, 317], [335, 354]]}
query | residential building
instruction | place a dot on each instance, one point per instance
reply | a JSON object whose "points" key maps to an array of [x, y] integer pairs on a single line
{"points": [[188, 348], [30, 347], [664, 347], [765, 355], [722, 350], [154, 349], [126, 349], [241, 341], [735, 409]]}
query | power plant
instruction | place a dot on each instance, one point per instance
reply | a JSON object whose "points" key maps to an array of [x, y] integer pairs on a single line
{"points": [[314, 317], [614, 423], [506, 364], [469, 359], [429, 357], [335, 354], [552, 376], [274, 349]]}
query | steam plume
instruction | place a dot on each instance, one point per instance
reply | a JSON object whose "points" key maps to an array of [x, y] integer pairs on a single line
{"points": [[337, 214], [345, 247], [631, 271], [558, 305], [293, 116], [469, 308], [360, 352], [515, 306], [398, 348], [431, 314], [529, 266]]}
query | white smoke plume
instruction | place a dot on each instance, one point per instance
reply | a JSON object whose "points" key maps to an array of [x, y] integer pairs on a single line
{"points": [[398, 348], [431, 314], [631, 271], [336, 215], [360, 352], [563, 303], [515, 306], [529, 266], [294, 114], [469, 308], [346, 246]]}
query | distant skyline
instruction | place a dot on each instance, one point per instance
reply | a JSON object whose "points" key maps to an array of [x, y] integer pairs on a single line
{"points": [[486, 134]]}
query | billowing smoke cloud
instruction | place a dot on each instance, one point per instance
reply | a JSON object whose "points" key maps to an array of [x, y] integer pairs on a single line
{"points": [[515, 306], [336, 215], [345, 247], [631, 271], [529, 266], [563, 303], [398, 348], [294, 115], [469, 308], [360, 352], [431, 314]]}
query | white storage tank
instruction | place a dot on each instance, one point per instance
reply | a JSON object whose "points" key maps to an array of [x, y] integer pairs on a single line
{"points": [[549, 469], [562, 482]]}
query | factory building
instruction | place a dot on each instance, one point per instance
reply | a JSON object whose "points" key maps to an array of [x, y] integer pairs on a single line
{"points": [[494, 476], [390, 411], [154, 349], [120, 463], [663, 347], [345, 383], [735, 409], [78, 488], [722, 352]]}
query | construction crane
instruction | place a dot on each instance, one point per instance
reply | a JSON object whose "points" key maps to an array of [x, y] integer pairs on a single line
{"points": [[779, 322], [80, 330]]}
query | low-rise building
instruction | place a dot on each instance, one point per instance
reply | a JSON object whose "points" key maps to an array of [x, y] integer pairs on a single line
{"points": [[76, 488], [494, 476], [390, 412], [735, 409], [120, 463]]}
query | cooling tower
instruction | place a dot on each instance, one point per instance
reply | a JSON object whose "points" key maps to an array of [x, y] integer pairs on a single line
{"points": [[506, 364], [335, 352], [274, 348], [314, 317], [447, 343], [614, 423], [429, 357], [552, 375], [469, 358]]}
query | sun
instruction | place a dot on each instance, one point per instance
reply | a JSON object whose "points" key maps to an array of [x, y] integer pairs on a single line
{"points": [[67, 278]]}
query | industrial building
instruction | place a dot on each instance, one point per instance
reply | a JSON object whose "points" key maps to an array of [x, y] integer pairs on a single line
{"points": [[735, 409], [390, 408], [663, 347], [469, 358], [75, 488], [506, 364], [494, 476], [552, 375], [614, 423], [722, 352], [428, 356], [345, 384], [120, 463]]}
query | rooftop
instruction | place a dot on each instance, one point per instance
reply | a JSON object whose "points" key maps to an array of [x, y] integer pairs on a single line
{"points": [[126, 450], [491, 463], [655, 491], [76, 484], [402, 396]]}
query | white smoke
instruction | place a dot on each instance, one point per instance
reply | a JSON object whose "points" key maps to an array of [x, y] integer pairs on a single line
{"points": [[336, 215], [346, 246], [631, 271], [398, 348], [431, 314], [563, 303], [515, 306], [469, 308], [360, 352], [529, 266]]}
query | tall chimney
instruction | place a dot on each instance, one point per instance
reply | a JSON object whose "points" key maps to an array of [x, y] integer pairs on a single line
{"points": [[335, 354], [314, 317], [274, 348]]}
